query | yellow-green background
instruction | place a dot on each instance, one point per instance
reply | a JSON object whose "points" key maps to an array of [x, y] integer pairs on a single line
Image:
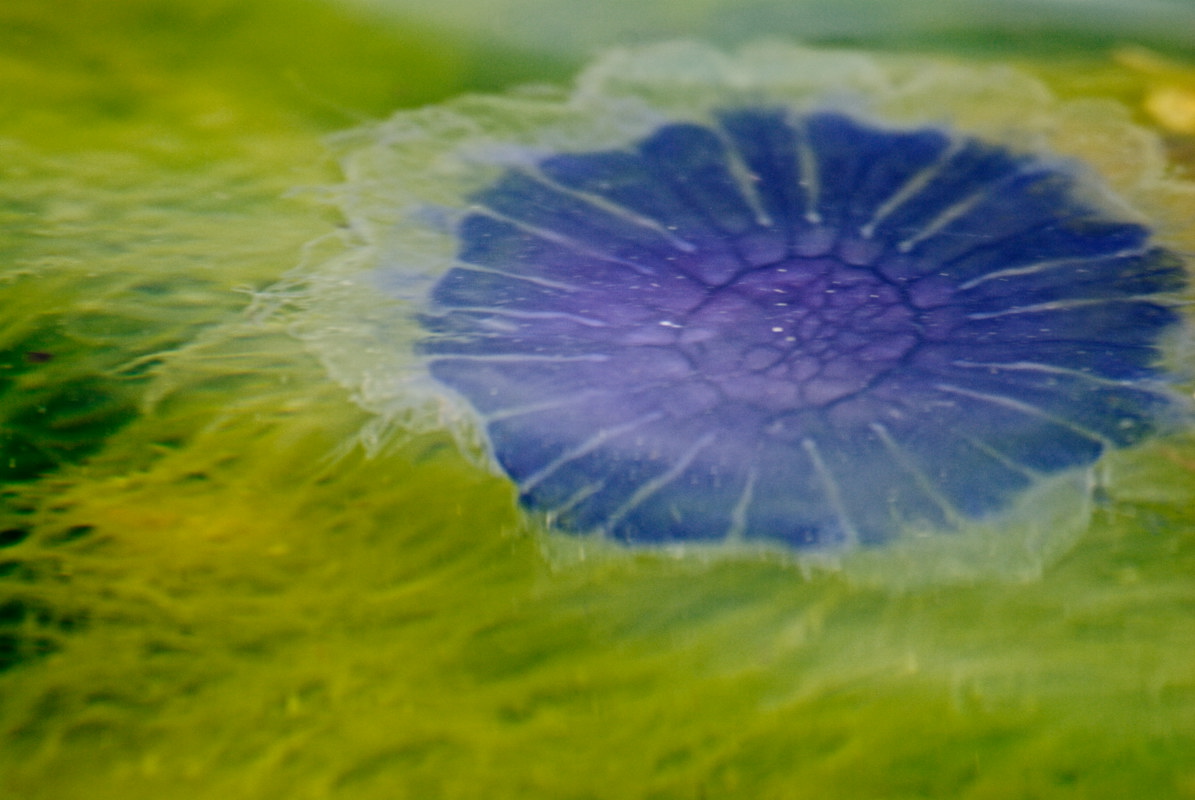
{"points": [[207, 591]]}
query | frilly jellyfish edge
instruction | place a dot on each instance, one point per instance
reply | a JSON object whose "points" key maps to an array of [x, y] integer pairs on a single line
{"points": [[774, 319]]}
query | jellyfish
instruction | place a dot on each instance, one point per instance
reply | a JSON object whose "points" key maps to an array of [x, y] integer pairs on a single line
{"points": [[815, 299]]}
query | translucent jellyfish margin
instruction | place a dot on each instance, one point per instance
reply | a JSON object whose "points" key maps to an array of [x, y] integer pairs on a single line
{"points": [[356, 297]]}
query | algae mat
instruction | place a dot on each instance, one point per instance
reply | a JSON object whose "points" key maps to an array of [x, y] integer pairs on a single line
{"points": [[208, 588]]}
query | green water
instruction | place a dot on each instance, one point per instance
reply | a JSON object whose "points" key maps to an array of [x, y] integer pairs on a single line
{"points": [[208, 590]]}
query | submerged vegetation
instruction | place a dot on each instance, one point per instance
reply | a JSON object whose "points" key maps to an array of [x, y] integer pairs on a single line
{"points": [[227, 577]]}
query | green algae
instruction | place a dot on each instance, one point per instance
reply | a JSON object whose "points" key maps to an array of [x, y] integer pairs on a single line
{"points": [[222, 594]]}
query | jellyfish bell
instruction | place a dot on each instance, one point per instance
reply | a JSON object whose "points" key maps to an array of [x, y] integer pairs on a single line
{"points": [[882, 311]]}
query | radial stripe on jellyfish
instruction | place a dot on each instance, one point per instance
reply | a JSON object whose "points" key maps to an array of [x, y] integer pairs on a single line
{"points": [[798, 327]]}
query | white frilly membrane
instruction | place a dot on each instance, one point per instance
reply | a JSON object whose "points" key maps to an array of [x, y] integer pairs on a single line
{"points": [[407, 180]]}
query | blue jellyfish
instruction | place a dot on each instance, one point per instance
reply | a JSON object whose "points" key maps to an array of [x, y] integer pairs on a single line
{"points": [[797, 327], [811, 300]]}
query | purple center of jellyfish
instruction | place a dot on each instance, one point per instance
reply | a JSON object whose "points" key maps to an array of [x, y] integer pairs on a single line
{"points": [[797, 328]]}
